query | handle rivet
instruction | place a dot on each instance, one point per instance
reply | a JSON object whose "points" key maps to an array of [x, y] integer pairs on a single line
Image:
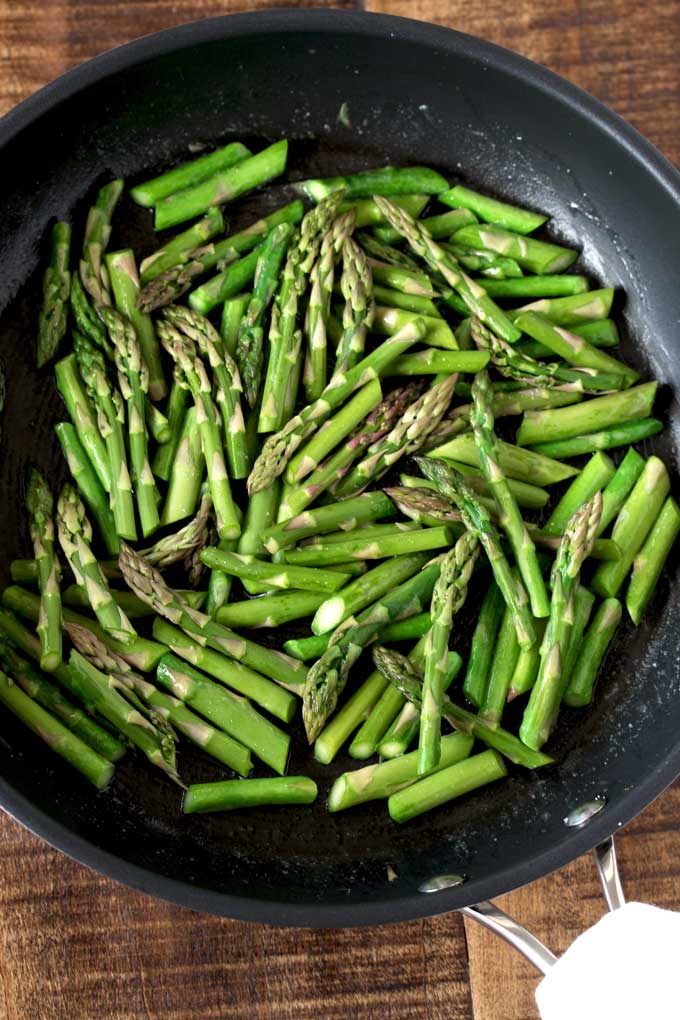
{"points": [[578, 816], [440, 882]]}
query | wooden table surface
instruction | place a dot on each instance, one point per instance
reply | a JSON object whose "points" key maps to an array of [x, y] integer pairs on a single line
{"points": [[75, 946]]}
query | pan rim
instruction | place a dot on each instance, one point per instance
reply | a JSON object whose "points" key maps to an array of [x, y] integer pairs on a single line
{"points": [[575, 842]]}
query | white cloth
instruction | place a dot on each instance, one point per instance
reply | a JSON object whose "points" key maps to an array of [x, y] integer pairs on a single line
{"points": [[626, 967]]}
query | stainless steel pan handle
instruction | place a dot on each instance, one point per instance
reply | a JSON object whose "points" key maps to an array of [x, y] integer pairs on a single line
{"points": [[514, 933]]}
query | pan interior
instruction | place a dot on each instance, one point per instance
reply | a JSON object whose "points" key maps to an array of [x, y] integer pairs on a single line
{"points": [[411, 98]]}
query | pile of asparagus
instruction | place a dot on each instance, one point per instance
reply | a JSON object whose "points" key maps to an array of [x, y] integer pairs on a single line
{"points": [[329, 441]]}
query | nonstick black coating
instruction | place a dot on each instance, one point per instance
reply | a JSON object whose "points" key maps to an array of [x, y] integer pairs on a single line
{"points": [[415, 93]]}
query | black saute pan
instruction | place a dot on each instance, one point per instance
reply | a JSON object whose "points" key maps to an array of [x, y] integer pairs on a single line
{"points": [[414, 93]]}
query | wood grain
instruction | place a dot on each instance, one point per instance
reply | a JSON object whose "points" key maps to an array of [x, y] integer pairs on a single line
{"points": [[76, 946]]}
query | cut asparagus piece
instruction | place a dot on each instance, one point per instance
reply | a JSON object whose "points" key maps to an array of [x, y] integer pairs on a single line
{"points": [[367, 214], [188, 174], [649, 560], [516, 462], [595, 475], [348, 515], [607, 439], [491, 210], [84, 417], [186, 473], [535, 256], [270, 610], [274, 575], [434, 362], [591, 653], [350, 716], [584, 601], [600, 333], [361, 549], [232, 794], [502, 668], [483, 644], [62, 741], [387, 180], [230, 281], [406, 723], [572, 310], [536, 286], [166, 454], [528, 662], [365, 590], [437, 789], [56, 292], [234, 715], [618, 489], [375, 782], [223, 186]]}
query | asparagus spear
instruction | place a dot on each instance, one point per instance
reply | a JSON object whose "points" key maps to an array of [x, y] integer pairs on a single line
{"points": [[234, 715], [163, 706], [149, 585], [249, 351], [600, 333], [62, 741], [438, 789], [383, 250], [232, 794], [486, 263], [375, 782], [512, 363], [584, 601], [327, 677], [570, 346], [482, 421], [405, 725], [133, 380], [166, 453], [275, 575], [350, 716], [318, 307], [399, 671], [367, 214], [330, 474], [279, 448], [183, 247], [100, 694], [86, 318], [515, 461], [56, 290], [369, 507], [443, 263], [182, 543], [386, 180], [40, 504], [40, 689], [606, 439], [83, 416], [229, 282], [93, 273], [191, 374], [198, 330], [536, 256], [483, 644], [174, 282], [591, 653], [477, 520], [139, 652], [75, 535], [333, 432], [283, 338], [122, 270], [405, 438], [649, 561], [540, 714], [357, 289], [188, 174], [530, 496], [491, 210], [110, 419], [448, 597], [310, 648], [595, 475], [526, 667], [223, 186], [186, 474], [129, 603]]}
